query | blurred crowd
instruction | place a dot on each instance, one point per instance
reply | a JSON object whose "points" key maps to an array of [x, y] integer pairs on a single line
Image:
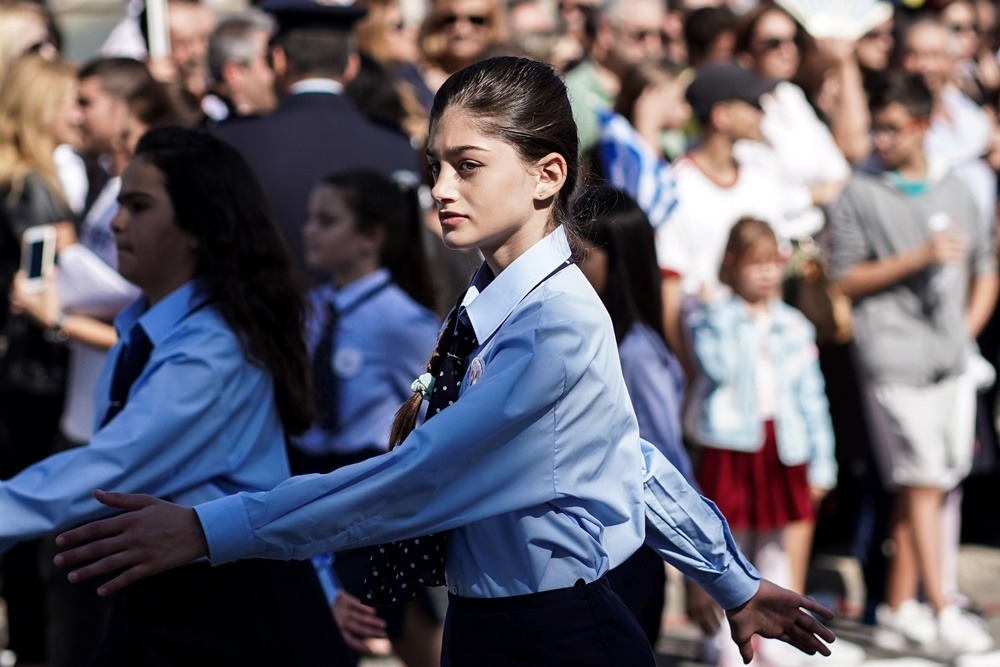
{"points": [[814, 279]]}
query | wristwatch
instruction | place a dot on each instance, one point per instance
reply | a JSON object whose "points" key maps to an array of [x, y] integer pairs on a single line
{"points": [[56, 333]]}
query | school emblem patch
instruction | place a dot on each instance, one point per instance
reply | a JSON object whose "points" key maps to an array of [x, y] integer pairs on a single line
{"points": [[475, 370]]}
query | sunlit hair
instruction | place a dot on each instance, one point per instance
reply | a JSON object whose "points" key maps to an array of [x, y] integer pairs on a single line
{"points": [[747, 236], [242, 259], [523, 103], [17, 20], [32, 96], [434, 42]]}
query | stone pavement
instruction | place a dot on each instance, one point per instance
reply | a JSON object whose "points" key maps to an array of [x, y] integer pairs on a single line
{"points": [[979, 579]]}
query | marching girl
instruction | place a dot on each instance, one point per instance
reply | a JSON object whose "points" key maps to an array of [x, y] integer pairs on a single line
{"points": [[370, 330], [528, 480], [209, 375]]}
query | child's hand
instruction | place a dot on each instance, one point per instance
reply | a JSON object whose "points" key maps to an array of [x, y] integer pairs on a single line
{"points": [[358, 623], [777, 613]]}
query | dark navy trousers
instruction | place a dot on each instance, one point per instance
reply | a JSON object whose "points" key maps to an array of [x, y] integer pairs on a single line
{"points": [[586, 625]]}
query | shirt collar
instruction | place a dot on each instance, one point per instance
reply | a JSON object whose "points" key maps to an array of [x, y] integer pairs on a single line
{"points": [[316, 85], [347, 296], [491, 299], [158, 320]]}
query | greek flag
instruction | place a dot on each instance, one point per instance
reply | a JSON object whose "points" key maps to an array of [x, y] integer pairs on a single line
{"points": [[632, 166]]}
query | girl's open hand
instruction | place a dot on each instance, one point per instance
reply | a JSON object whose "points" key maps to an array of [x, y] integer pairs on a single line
{"points": [[777, 613], [149, 537]]}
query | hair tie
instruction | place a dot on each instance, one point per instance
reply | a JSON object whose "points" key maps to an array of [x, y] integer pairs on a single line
{"points": [[423, 385]]}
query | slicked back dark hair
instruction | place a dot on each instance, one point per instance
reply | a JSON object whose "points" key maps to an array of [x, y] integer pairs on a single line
{"points": [[242, 257], [524, 103]]}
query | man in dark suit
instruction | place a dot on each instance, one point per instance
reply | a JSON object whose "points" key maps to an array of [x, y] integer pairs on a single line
{"points": [[316, 129]]}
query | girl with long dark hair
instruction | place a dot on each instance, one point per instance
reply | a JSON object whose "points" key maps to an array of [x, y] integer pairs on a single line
{"points": [[209, 376]]}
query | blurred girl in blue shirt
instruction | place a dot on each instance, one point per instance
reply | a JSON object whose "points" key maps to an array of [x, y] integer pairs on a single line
{"points": [[530, 460], [369, 331], [620, 262], [209, 375]]}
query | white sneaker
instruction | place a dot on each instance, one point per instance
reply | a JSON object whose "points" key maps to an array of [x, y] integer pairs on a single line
{"points": [[912, 623], [959, 632]]}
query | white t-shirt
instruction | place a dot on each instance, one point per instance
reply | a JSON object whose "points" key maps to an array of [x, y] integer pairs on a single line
{"points": [[692, 241]]}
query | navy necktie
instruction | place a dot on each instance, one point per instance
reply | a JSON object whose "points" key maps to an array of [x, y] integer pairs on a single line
{"points": [[132, 359], [399, 567], [324, 381]]}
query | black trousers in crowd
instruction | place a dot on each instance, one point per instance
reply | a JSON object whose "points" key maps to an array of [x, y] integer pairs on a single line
{"points": [[586, 625], [248, 613]]}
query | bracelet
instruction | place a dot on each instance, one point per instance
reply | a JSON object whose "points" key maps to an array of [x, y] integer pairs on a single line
{"points": [[57, 332]]}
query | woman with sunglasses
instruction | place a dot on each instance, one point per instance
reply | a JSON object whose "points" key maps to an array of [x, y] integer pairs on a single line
{"points": [[456, 33], [771, 43]]}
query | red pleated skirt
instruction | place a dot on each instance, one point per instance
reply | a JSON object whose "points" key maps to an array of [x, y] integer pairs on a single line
{"points": [[755, 490]]}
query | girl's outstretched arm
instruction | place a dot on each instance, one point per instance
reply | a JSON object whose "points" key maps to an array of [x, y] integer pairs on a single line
{"points": [[149, 537]]}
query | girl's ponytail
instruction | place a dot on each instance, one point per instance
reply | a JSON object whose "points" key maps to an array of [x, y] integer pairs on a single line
{"points": [[406, 417]]}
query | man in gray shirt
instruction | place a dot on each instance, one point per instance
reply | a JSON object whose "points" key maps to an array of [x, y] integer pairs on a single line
{"points": [[911, 250]]}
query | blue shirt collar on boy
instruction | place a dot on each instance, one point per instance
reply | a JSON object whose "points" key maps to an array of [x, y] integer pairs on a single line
{"points": [[200, 423], [159, 319]]}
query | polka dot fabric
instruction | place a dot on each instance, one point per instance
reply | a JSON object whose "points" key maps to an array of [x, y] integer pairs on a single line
{"points": [[398, 568]]}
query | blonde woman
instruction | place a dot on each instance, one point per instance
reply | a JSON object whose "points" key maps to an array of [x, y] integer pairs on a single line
{"points": [[24, 28], [38, 111]]}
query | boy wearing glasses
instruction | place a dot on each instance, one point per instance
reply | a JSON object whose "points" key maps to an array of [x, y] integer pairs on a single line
{"points": [[911, 250]]}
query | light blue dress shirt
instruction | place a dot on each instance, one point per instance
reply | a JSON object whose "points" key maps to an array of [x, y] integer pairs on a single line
{"points": [[200, 423], [383, 341], [537, 471]]}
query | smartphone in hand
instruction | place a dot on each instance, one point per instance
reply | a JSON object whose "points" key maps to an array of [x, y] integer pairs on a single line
{"points": [[38, 254]]}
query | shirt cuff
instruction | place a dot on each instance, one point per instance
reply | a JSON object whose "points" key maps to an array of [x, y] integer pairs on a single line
{"points": [[227, 529], [733, 587]]}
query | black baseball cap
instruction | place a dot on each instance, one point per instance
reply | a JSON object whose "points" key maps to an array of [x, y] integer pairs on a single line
{"points": [[722, 82], [326, 14]]}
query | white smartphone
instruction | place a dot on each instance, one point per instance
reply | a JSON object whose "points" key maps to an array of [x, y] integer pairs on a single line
{"points": [[38, 254]]}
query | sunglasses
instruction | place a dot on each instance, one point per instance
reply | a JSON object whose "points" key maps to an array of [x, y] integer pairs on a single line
{"points": [[959, 27], [893, 131], [775, 43], [477, 20]]}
